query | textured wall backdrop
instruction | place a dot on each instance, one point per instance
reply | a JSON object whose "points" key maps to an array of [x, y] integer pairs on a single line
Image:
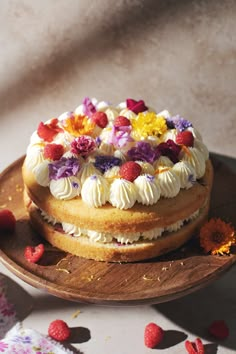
{"points": [[179, 55]]}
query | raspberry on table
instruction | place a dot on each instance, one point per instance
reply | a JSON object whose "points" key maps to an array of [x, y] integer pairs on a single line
{"points": [[219, 329], [100, 119], [34, 254], [185, 138], [153, 335], [53, 151], [121, 121], [130, 170], [194, 347], [7, 221], [59, 330]]}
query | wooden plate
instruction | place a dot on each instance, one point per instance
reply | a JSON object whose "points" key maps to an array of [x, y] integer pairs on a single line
{"points": [[73, 278]]}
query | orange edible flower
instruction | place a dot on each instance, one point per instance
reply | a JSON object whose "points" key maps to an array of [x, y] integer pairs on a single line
{"points": [[78, 125], [216, 236]]}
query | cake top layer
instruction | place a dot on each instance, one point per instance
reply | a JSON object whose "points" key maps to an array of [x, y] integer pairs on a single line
{"points": [[122, 154]]}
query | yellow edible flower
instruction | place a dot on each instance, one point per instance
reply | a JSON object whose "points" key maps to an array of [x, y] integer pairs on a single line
{"points": [[78, 125], [148, 124]]}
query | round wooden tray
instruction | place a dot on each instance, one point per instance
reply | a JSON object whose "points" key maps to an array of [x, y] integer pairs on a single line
{"points": [[147, 282]]}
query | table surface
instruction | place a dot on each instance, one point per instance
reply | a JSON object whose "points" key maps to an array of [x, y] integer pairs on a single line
{"points": [[119, 330]]}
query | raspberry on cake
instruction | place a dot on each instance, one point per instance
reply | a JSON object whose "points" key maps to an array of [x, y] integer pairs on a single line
{"points": [[122, 183]]}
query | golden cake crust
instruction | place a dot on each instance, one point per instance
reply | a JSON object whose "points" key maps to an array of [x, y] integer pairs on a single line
{"points": [[112, 220], [112, 252]]}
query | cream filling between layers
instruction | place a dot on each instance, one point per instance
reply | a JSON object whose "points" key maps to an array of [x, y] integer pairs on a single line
{"points": [[103, 237]]}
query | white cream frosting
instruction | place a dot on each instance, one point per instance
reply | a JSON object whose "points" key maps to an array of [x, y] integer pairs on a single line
{"points": [[148, 189], [186, 174], [41, 173], [34, 157], [127, 113], [147, 168], [95, 191], [198, 144], [195, 133], [169, 134], [163, 161], [87, 169], [123, 194], [65, 188], [169, 182], [128, 238], [196, 159], [112, 173]]}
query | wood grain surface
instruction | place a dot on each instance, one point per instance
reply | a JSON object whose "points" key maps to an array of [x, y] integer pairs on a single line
{"points": [[147, 282]]}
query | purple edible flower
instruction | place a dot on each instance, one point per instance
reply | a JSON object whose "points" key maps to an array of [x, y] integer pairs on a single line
{"points": [[143, 151], [120, 136], [169, 149], [88, 107], [178, 123], [65, 167], [83, 145], [105, 162]]}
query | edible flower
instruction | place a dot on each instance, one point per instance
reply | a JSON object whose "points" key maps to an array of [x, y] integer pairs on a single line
{"points": [[48, 131], [216, 236], [78, 125], [136, 106], [105, 162], [83, 145], [178, 123], [169, 149], [148, 124], [65, 167], [120, 136], [143, 151], [88, 107]]}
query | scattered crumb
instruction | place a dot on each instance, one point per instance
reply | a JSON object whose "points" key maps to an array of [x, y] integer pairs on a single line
{"points": [[2, 190], [107, 338], [76, 314], [63, 270], [145, 277], [3, 206], [10, 198], [19, 188], [182, 263], [164, 268]]}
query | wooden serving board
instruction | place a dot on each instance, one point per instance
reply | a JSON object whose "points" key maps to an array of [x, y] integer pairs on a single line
{"points": [[147, 282]]}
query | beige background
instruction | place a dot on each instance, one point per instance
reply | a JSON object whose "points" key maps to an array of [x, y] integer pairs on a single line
{"points": [[178, 55]]}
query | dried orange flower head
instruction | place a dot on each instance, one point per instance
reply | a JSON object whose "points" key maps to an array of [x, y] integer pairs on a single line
{"points": [[78, 125], [216, 236]]}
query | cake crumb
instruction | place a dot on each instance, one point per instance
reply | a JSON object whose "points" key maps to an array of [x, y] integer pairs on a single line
{"points": [[2, 190], [19, 188], [107, 338], [145, 277], [164, 268], [182, 263], [3, 206], [10, 198], [76, 314], [63, 270]]}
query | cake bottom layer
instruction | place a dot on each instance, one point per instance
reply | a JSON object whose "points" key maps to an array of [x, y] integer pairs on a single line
{"points": [[112, 251]]}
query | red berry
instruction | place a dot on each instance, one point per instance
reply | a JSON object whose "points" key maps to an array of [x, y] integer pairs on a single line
{"points": [[7, 221], [100, 118], [121, 121], [48, 131], [185, 138], [130, 170], [219, 329], [153, 335], [194, 347], [59, 330], [34, 254], [53, 151]]}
